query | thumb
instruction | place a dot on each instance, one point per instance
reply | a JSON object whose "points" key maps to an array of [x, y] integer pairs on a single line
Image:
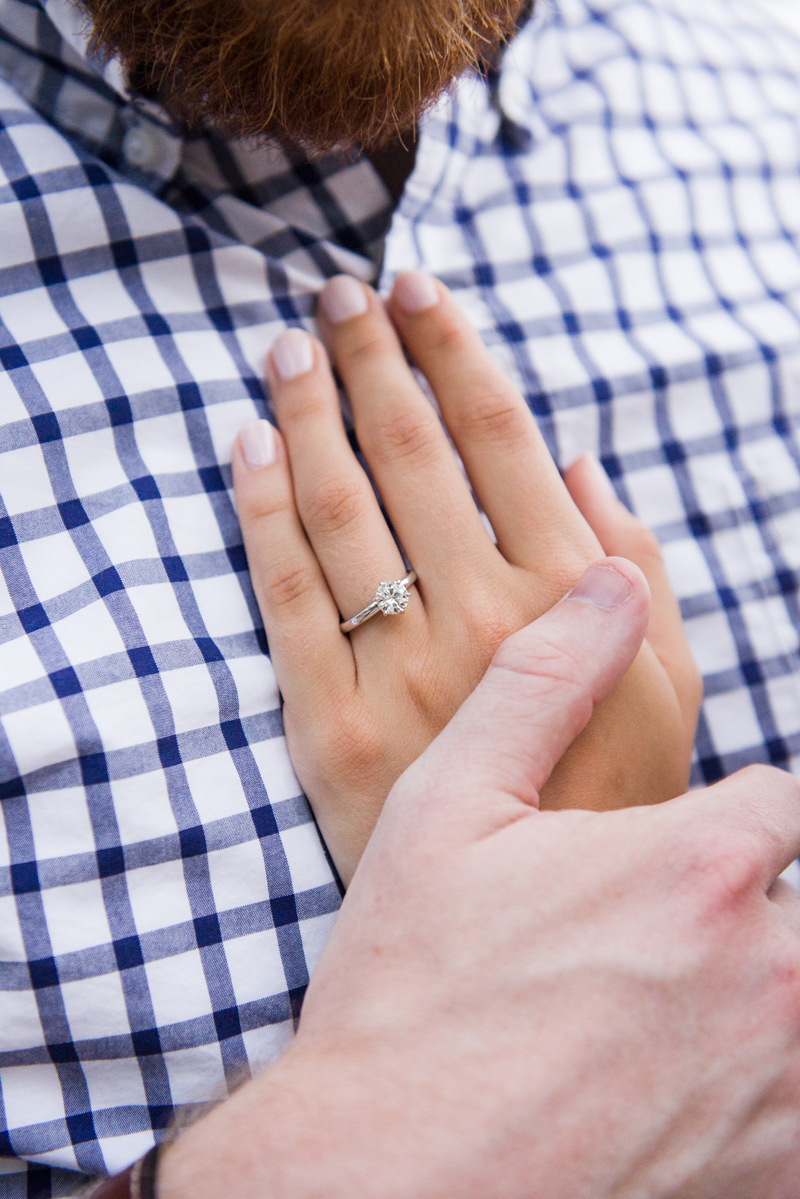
{"points": [[536, 696]]}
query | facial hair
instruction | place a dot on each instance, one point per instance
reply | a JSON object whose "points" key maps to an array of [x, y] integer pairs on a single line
{"points": [[317, 73]]}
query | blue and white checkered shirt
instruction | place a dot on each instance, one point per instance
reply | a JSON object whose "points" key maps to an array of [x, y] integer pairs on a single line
{"points": [[618, 211]]}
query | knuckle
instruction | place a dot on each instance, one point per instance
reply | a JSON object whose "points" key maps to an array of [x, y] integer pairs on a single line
{"points": [[430, 688], [489, 619], [253, 507], [306, 403], [561, 576], [288, 583], [758, 778], [723, 865], [405, 435], [444, 334], [367, 343], [352, 751], [494, 418], [332, 506]]}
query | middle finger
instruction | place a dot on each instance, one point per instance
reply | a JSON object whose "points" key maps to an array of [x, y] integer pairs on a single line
{"points": [[415, 468]]}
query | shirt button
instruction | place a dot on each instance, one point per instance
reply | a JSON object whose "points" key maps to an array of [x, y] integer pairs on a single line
{"points": [[139, 146]]}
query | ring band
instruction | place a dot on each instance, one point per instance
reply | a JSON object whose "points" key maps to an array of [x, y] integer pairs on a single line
{"points": [[391, 599]]}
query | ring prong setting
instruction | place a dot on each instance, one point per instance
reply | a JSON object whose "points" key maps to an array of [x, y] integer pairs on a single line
{"points": [[392, 598]]}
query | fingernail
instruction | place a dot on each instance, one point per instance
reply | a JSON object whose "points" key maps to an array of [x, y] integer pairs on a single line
{"points": [[292, 354], [415, 292], [602, 586], [600, 475], [258, 444], [342, 298]]}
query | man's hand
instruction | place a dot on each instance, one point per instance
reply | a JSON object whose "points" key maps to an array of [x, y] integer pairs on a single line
{"points": [[518, 1004], [359, 710]]}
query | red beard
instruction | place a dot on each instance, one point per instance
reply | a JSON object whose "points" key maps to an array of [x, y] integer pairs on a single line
{"points": [[315, 72]]}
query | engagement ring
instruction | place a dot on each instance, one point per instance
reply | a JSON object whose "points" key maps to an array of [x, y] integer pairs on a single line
{"points": [[391, 599]]}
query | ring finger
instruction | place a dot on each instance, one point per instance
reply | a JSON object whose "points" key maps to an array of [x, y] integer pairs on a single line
{"points": [[334, 497]]}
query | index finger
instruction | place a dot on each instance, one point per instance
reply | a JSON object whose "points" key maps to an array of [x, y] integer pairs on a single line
{"points": [[762, 804], [508, 463]]}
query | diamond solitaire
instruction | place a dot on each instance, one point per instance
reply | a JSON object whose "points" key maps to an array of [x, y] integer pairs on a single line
{"points": [[391, 599]]}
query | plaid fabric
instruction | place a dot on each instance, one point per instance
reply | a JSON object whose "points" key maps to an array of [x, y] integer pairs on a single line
{"points": [[618, 210], [621, 220], [163, 891]]}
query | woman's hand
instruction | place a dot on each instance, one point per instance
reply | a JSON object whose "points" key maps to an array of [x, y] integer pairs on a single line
{"points": [[358, 709]]}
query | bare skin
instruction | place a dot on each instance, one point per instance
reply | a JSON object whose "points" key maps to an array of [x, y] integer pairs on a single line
{"points": [[489, 1022], [359, 710]]}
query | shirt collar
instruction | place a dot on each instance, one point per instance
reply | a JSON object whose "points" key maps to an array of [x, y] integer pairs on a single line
{"points": [[75, 27]]}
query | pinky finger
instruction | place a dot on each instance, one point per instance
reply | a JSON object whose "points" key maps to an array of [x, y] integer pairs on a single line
{"points": [[311, 658], [622, 535]]}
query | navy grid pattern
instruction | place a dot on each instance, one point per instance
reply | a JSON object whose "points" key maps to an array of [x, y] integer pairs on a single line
{"points": [[622, 222], [164, 891], [618, 211]]}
